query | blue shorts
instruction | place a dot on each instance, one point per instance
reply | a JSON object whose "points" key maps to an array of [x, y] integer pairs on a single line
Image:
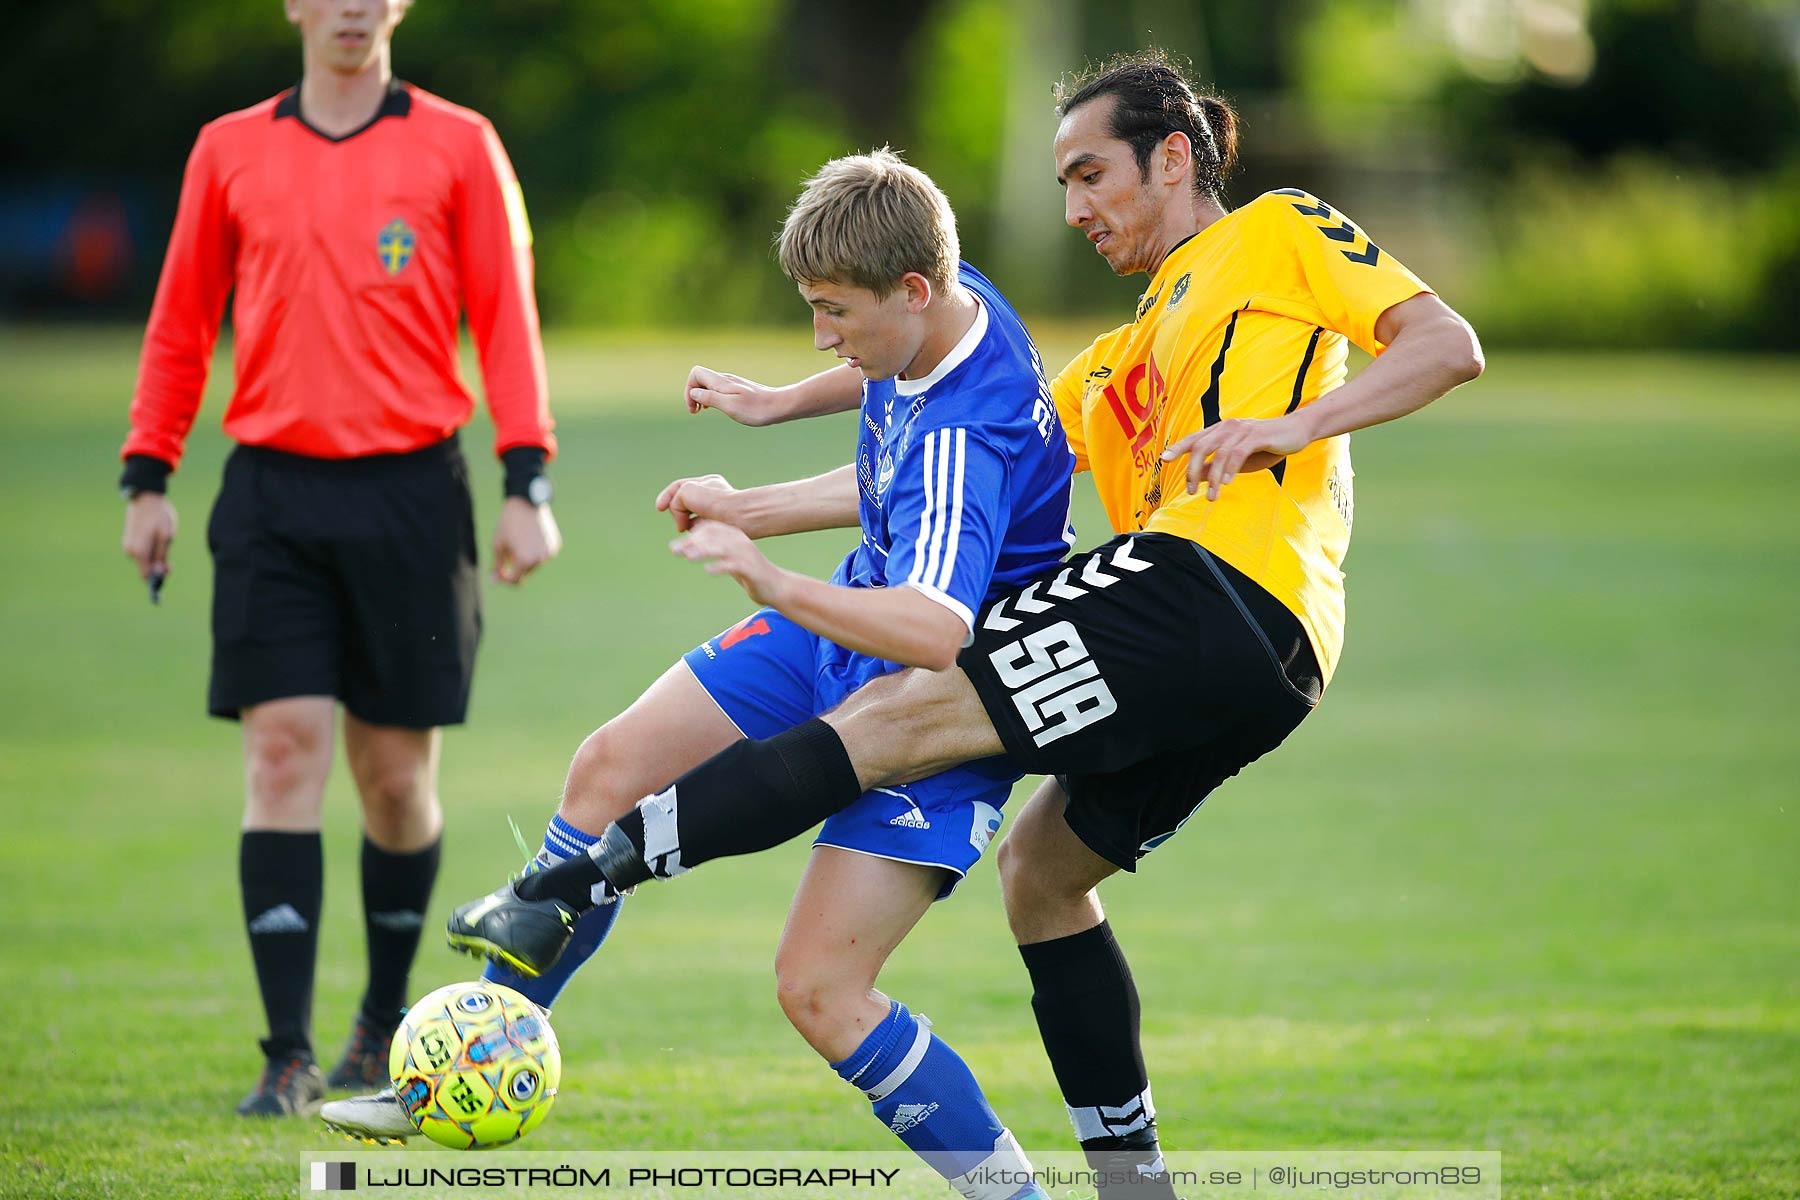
{"points": [[768, 674]]}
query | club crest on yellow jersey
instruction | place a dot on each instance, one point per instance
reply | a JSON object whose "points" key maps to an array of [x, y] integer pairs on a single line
{"points": [[395, 245]]}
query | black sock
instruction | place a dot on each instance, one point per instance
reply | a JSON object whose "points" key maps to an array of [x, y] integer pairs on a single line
{"points": [[1087, 1012], [282, 877], [395, 890], [572, 881], [749, 797]]}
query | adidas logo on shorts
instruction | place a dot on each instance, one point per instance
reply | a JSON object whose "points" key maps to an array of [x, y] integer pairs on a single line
{"points": [[912, 818]]}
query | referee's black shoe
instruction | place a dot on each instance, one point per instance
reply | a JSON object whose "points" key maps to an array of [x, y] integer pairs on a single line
{"points": [[365, 1061], [526, 936]]}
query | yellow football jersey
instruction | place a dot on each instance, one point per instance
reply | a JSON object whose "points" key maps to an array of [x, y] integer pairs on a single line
{"points": [[1250, 317]]}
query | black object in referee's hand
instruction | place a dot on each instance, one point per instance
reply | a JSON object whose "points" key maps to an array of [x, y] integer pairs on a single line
{"points": [[155, 580]]}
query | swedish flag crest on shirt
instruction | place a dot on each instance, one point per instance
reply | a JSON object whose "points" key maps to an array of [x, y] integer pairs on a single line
{"points": [[395, 245]]}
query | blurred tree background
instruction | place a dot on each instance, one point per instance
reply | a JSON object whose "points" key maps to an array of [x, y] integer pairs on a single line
{"points": [[1567, 172]]}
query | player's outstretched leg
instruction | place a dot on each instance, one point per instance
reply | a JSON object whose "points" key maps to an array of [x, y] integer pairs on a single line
{"points": [[1083, 996], [762, 792], [561, 841], [672, 726], [850, 912], [749, 797]]}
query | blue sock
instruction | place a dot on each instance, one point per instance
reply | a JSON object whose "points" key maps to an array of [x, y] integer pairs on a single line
{"points": [[561, 840], [924, 1092]]}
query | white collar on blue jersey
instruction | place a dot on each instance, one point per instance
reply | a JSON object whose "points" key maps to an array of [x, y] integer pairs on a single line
{"points": [[952, 360]]}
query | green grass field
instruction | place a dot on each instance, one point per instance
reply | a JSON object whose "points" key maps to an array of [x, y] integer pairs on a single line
{"points": [[1529, 881]]}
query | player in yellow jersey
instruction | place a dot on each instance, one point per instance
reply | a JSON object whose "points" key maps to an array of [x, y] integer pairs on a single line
{"points": [[1143, 674]]}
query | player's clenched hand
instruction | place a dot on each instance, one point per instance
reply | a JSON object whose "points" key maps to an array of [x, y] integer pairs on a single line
{"points": [[743, 400], [149, 532], [727, 550], [1217, 455], [525, 539], [696, 498]]}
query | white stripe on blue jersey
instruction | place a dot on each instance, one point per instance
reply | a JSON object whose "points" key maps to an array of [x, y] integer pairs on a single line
{"points": [[955, 523], [927, 448], [937, 523], [940, 528]]}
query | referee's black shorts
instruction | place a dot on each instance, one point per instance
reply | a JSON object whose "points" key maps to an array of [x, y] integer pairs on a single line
{"points": [[354, 578], [1143, 674]]}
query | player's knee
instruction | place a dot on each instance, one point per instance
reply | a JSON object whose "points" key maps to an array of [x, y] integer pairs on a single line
{"points": [[601, 783], [1025, 883], [1007, 862], [1024, 887], [817, 1005]]}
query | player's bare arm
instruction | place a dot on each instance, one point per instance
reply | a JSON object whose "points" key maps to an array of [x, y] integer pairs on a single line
{"points": [[898, 624], [750, 403], [149, 532], [1430, 351], [825, 501]]}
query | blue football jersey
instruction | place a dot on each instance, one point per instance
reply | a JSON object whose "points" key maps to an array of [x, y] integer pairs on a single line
{"points": [[964, 475]]}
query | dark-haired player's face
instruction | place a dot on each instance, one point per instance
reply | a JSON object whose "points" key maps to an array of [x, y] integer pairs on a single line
{"points": [[1105, 194], [878, 335], [345, 35]]}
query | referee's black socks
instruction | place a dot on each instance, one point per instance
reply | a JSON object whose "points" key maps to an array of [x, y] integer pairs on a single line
{"points": [[282, 879], [1087, 1012], [749, 797], [396, 890]]}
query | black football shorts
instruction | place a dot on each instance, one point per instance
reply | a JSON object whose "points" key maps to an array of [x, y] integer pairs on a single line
{"points": [[353, 578], [1142, 674]]}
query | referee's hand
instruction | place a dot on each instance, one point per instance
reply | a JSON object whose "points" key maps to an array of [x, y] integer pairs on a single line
{"points": [[149, 532], [526, 539]]}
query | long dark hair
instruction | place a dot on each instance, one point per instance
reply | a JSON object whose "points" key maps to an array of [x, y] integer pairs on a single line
{"points": [[1156, 99]]}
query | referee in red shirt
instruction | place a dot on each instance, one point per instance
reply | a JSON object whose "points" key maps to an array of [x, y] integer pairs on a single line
{"points": [[353, 217]]}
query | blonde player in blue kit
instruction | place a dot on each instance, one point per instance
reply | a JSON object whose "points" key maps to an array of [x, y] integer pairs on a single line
{"points": [[961, 488]]}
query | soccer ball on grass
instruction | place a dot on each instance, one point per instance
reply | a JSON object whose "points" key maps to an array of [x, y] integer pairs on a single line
{"points": [[475, 1065]]}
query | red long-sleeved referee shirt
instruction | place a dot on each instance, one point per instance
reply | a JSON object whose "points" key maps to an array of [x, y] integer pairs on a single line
{"points": [[351, 258]]}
